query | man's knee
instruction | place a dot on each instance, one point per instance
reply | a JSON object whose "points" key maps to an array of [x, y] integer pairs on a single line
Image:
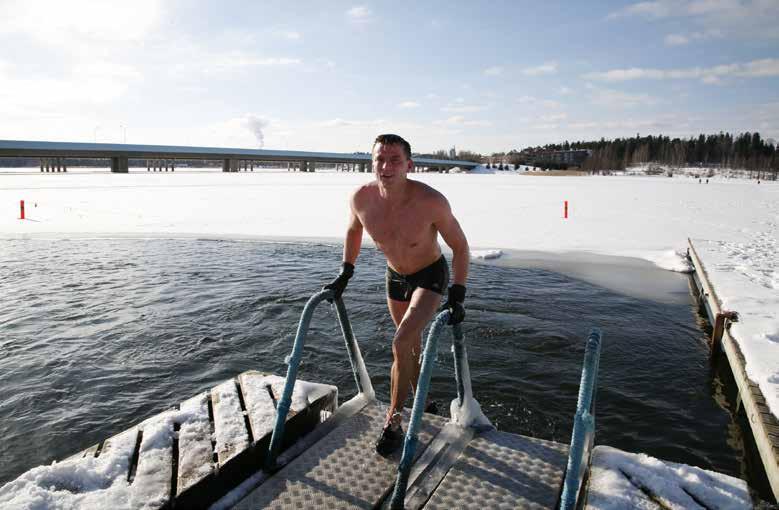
{"points": [[407, 339]]}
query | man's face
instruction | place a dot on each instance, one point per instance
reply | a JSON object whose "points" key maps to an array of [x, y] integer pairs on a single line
{"points": [[390, 164]]}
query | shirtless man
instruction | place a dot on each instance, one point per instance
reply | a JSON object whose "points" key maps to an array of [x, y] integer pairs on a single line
{"points": [[404, 218]]}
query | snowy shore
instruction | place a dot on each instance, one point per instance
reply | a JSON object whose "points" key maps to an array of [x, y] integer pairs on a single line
{"points": [[649, 218]]}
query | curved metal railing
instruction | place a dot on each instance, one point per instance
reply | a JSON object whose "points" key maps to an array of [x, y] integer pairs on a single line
{"points": [[583, 425], [361, 378], [464, 393]]}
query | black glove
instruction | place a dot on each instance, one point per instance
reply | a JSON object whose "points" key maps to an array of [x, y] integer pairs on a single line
{"points": [[339, 284], [455, 304]]}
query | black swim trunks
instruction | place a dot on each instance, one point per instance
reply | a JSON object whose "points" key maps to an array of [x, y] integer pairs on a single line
{"points": [[434, 277]]}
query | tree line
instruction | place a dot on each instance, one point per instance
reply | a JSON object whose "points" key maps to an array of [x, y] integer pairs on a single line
{"points": [[747, 151]]}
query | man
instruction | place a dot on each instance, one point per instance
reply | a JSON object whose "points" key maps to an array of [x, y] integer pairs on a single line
{"points": [[404, 218]]}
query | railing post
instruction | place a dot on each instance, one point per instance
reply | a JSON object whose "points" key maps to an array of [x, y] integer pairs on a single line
{"points": [[282, 408], [583, 424], [359, 371], [423, 385]]}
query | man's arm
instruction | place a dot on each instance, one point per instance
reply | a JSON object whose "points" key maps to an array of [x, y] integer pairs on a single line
{"points": [[454, 237], [353, 239]]}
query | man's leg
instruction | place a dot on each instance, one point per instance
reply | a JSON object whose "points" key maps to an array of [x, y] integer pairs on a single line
{"points": [[406, 346]]}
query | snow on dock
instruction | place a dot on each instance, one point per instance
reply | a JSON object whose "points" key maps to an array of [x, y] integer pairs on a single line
{"points": [[625, 481], [169, 457], [739, 295]]}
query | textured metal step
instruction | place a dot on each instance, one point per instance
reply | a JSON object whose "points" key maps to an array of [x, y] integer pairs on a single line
{"points": [[502, 470], [342, 470]]}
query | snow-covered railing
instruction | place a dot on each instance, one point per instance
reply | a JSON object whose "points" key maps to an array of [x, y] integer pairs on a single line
{"points": [[364, 386], [583, 425]]}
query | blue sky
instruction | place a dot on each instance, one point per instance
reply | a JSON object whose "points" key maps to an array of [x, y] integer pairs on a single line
{"points": [[484, 76]]}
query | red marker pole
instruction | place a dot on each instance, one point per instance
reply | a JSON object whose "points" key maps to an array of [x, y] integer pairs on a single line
{"points": [[21, 205], [565, 210]]}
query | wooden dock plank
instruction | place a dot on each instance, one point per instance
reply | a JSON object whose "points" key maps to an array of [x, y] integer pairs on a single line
{"points": [[195, 451], [151, 485], [260, 407], [229, 425]]}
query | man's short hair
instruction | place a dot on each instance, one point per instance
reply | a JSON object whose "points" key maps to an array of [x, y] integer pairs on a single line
{"points": [[389, 139]]}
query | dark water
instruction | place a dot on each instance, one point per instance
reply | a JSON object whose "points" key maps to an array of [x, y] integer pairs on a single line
{"points": [[99, 334]]}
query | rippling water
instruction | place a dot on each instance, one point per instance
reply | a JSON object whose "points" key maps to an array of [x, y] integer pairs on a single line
{"points": [[99, 334]]}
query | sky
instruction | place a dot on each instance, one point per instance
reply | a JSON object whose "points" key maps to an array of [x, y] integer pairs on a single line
{"points": [[483, 76]]}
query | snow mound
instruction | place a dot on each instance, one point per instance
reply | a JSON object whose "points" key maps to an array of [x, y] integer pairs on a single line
{"points": [[621, 480]]}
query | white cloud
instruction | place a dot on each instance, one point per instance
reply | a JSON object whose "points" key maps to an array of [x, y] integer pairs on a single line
{"points": [[80, 21], [743, 18], [564, 91], [554, 117], [359, 14], [754, 69], [534, 101], [408, 104], [618, 99], [545, 68], [339, 122], [676, 40], [659, 9], [494, 71], [460, 106], [291, 35], [682, 39], [459, 120]]}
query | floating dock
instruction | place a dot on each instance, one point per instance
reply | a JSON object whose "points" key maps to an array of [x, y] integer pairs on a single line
{"points": [[764, 425]]}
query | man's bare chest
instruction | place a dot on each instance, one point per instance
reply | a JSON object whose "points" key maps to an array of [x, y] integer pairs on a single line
{"points": [[398, 227]]}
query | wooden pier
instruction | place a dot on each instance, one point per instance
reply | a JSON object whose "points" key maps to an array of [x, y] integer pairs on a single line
{"points": [[764, 425], [190, 456]]}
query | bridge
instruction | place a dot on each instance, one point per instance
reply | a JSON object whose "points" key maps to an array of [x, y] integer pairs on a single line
{"points": [[54, 154]]}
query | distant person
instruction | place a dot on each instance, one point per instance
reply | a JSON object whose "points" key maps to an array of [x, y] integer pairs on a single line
{"points": [[404, 218]]}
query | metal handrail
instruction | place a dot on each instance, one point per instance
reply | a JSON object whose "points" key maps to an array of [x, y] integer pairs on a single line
{"points": [[464, 394], [361, 378], [583, 425]]}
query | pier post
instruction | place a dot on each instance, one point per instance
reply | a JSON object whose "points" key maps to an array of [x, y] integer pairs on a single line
{"points": [[225, 165], [119, 165], [312, 166], [362, 167], [172, 165], [64, 165], [252, 169], [303, 166], [41, 164]]}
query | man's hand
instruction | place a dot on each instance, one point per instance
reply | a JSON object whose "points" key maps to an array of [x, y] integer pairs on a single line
{"points": [[455, 304], [339, 284]]}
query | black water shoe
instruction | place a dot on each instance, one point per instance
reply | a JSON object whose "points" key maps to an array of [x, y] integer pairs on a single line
{"points": [[391, 439], [432, 407]]}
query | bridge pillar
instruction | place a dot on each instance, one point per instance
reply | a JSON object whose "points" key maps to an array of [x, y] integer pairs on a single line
{"points": [[362, 168], [64, 165], [304, 166], [312, 166], [119, 165], [172, 165], [230, 165]]}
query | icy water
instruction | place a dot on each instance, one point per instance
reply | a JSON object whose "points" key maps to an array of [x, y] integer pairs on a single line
{"points": [[99, 334]]}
